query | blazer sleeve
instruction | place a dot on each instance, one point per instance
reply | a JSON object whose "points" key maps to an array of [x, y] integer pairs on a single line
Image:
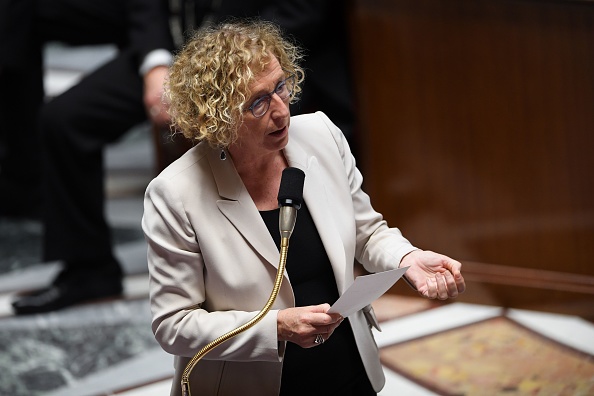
{"points": [[177, 286]]}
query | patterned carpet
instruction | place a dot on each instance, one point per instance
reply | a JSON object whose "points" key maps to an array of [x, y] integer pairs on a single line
{"points": [[497, 356], [39, 354]]}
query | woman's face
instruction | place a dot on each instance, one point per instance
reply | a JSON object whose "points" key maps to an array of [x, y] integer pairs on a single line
{"points": [[270, 132]]}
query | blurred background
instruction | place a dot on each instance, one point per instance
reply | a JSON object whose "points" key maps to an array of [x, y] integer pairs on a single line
{"points": [[475, 128]]}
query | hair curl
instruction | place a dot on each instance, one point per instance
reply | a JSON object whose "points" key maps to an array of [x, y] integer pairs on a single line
{"points": [[209, 80]]}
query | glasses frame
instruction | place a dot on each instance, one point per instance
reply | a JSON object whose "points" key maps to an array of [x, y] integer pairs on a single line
{"points": [[268, 97]]}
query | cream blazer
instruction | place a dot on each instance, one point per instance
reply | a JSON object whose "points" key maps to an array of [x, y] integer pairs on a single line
{"points": [[212, 262]]}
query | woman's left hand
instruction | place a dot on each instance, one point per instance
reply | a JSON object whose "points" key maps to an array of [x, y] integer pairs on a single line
{"points": [[434, 275]]}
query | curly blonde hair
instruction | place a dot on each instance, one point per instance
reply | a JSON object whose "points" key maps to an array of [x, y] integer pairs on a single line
{"points": [[209, 80]]}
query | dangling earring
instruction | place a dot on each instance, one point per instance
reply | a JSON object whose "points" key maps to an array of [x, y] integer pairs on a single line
{"points": [[223, 155]]}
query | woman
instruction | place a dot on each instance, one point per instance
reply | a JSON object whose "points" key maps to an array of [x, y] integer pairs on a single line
{"points": [[211, 222]]}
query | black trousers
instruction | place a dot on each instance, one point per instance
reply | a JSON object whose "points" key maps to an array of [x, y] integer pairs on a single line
{"points": [[75, 127], [58, 146]]}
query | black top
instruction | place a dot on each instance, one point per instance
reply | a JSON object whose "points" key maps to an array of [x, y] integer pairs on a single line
{"points": [[320, 369]]}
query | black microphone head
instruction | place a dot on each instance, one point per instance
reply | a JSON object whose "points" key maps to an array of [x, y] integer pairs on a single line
{"points": [[290, 192]]}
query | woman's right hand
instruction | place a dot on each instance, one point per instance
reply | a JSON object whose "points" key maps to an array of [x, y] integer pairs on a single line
{"points": [[302, 325]]}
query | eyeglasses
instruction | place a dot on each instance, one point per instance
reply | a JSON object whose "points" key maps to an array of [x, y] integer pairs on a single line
{"points": [[283, 90]]}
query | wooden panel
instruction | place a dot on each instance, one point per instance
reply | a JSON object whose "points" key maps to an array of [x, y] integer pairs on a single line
{"points": [[477, 127]]}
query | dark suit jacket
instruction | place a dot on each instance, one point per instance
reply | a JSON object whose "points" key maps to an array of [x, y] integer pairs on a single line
{"points": [[141, 25]]}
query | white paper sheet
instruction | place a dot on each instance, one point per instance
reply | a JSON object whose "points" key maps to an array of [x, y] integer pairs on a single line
{"points": [[365, 290]]}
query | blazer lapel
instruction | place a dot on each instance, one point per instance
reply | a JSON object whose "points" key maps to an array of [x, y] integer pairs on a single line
{"points": [[318, 203], [237, 206]]}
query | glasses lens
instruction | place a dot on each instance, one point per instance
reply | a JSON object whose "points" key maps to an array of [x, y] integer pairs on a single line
{"points": [[260, 106], [286, 87]]}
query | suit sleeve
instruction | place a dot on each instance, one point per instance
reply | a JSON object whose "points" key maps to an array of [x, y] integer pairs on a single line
{"points": [[148, 26], [178, 274]]}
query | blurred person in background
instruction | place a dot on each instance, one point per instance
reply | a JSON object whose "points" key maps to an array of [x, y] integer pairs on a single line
{"points": [[56, 148]]}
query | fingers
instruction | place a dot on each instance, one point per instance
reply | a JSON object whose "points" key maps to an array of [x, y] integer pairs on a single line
{"points": [[304, 325], [320, 308], [444, 285], [450, 290], [460, 283], [326, 319], [455, 268], [455, 280], [324, 333], [430, 289], [319, 340], [326, 330], [443, 277]]}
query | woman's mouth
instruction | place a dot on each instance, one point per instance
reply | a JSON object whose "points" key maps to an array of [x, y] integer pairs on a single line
{"points": [[279, 132]]}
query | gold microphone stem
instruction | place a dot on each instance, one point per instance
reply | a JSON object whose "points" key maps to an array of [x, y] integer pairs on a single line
{"points": [[185, 380]]}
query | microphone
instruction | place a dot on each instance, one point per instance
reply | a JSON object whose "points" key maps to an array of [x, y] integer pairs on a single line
{"points": [[290, 198]]}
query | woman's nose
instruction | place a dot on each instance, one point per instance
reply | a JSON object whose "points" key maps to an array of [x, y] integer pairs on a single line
{"points": [[279, 106]]}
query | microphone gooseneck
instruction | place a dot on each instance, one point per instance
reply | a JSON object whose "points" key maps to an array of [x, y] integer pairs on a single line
{"points": [[290, 198]]}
